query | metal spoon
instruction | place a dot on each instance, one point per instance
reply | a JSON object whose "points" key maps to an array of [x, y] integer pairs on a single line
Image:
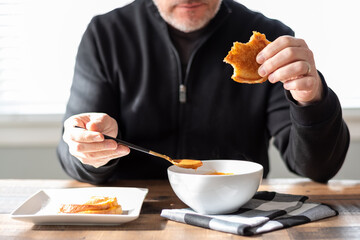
{"points": [[183, 163]]}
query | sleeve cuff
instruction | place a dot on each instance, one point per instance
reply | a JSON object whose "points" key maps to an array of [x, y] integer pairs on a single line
{"points": [[314, 113], [103, 169]]}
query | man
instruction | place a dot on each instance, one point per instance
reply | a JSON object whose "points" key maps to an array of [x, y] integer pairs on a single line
{"points": [[152, 73]]}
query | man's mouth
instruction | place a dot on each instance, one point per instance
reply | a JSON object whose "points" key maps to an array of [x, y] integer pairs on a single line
{"points": [[190, 5]]}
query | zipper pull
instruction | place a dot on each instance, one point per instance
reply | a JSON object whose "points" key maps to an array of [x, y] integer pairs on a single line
{"points": [[182, 93]]}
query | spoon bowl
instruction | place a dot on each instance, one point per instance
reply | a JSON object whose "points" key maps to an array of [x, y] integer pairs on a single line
{"points": [[183, 163], [187, 163]]}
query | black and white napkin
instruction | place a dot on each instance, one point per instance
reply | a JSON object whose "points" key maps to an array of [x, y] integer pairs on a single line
{"points": [[265, 212]]}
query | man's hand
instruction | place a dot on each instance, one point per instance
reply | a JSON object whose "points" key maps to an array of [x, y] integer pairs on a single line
{"points": [[88, 144], [290, 61]]}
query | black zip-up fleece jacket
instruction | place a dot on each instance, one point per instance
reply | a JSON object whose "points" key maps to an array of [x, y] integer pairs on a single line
{"points": [[128, 68]]}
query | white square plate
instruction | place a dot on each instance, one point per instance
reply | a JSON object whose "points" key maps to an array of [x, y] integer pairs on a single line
{"points": [[43, 207]]}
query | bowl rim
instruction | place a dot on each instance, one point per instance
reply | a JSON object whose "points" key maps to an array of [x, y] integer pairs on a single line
{"points": [[259, 166]]}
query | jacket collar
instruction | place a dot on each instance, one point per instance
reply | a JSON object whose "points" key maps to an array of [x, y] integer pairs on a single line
{"points": [[219, 18]]}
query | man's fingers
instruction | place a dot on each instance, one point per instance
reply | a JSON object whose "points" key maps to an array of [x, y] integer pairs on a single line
{"points": [[291, 71], [85, 147], [100, 158], [305, 84], [82, 135], [278, 45], [285, 57], [87, 143]]}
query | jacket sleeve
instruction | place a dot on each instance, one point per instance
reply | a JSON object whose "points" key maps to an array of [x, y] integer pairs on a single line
{"points": [[91, 91], [315, 144]]}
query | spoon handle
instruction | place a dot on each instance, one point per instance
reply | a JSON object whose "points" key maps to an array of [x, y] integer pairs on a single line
{"points": [[130, 145]]}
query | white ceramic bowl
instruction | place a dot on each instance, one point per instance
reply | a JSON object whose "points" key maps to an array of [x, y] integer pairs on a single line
{"points": [[216, 194]]}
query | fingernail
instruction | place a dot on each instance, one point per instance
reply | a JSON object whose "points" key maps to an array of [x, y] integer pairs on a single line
{"points": [[271, 77], [98, 138], [262, 71], [260, 58]]}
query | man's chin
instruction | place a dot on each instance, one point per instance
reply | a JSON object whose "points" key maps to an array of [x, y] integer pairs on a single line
{"points": [[188, 25], [188, 28]]}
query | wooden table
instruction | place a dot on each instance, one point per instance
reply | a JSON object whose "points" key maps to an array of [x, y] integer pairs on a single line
{"points": [[343, 195]]}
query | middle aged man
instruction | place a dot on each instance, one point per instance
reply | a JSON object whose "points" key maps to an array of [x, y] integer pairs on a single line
{"points": [[152, 73]]}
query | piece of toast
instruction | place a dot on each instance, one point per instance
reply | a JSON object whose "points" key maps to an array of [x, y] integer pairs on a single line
{"points": [[242, 57], [96, 205]]}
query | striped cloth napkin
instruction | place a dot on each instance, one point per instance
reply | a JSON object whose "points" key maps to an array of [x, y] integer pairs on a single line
{"points": [[265, 212]]}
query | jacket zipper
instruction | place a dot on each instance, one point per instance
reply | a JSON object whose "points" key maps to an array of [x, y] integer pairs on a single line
{"points": [[183, 88], [181, 99], [182, 93]]}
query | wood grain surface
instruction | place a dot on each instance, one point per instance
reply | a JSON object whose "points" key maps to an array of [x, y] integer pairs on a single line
{"points": [[343, 195]]}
